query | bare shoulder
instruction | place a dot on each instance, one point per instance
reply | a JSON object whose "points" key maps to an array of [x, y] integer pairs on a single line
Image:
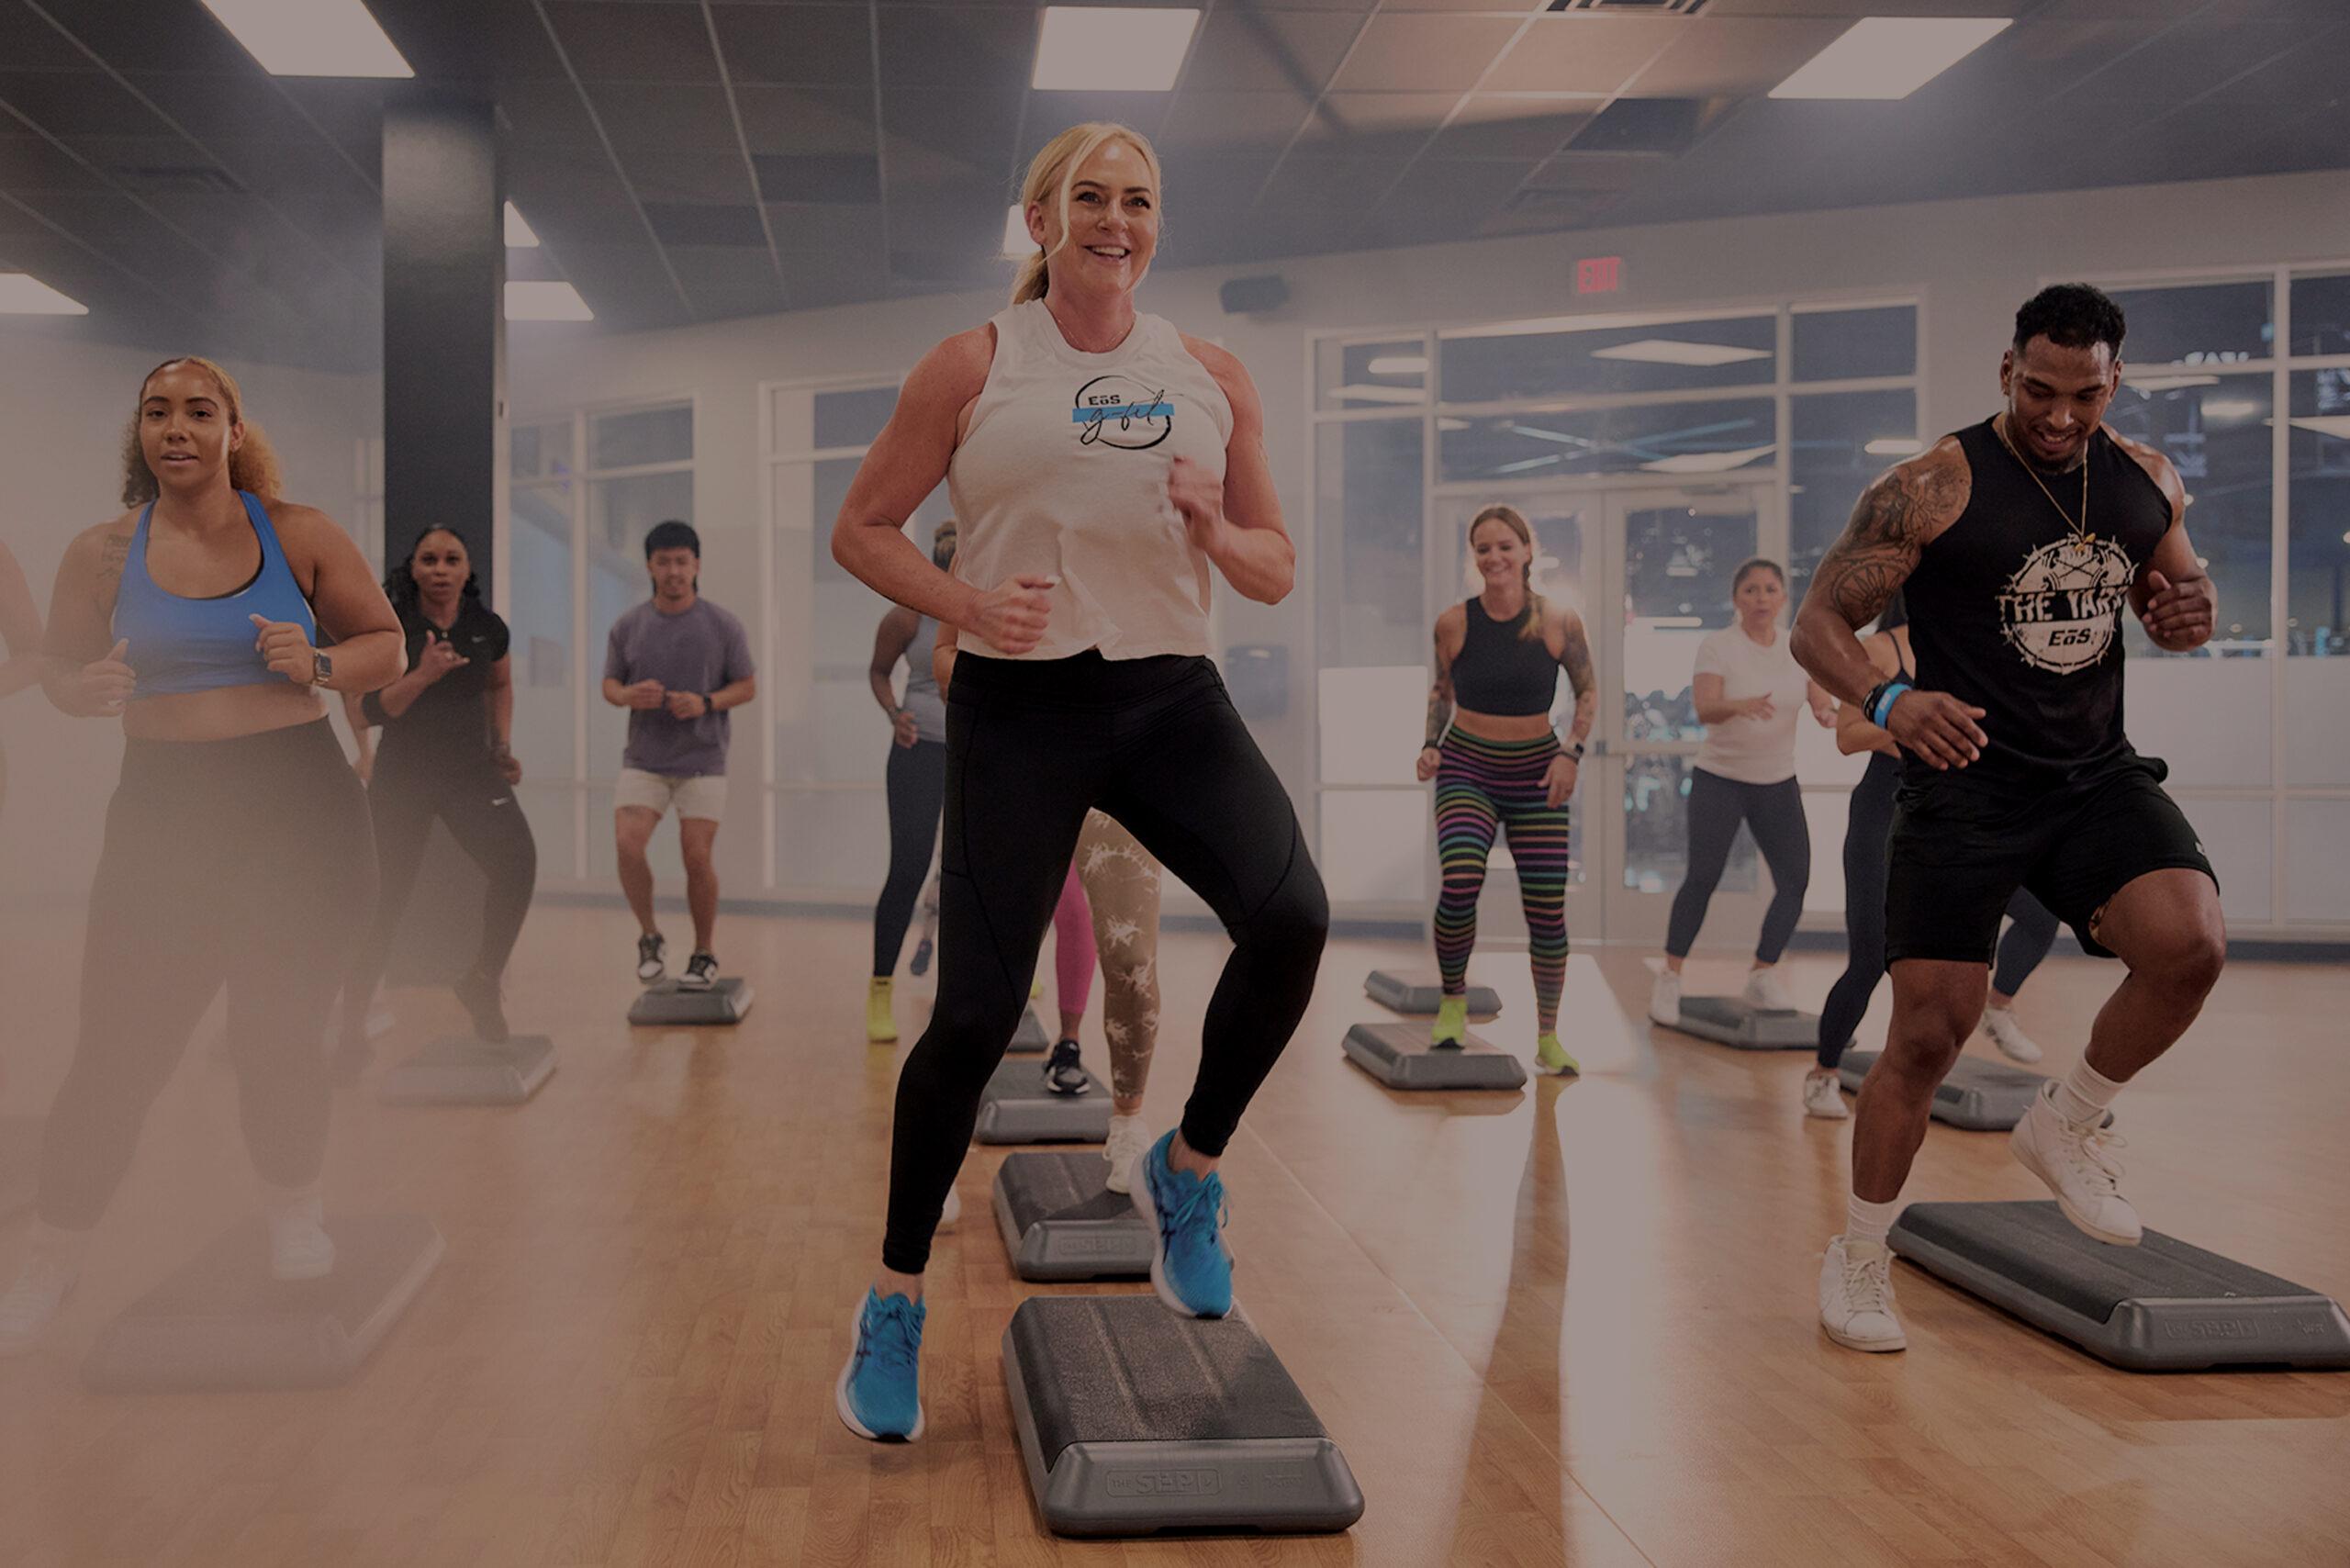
{"points": [[1916, 499], [900, 623], [2158, 468], [1239, 388], [299, 521], [957, 368], [1452, 621], [101, 547]]}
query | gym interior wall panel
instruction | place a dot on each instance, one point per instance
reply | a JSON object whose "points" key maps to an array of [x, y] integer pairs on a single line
{"points": [[2317, 740], [2317, 860], [1375, 845], [1825, 810], [833, 839], [2206, 717], [1372, 721], [2238, 838]]}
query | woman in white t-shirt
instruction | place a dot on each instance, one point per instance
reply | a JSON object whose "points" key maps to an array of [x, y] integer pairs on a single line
{"points": [[1748, 686]]}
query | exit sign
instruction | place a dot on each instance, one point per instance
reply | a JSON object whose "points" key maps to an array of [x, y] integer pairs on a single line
{"points": [[1599, 275]]}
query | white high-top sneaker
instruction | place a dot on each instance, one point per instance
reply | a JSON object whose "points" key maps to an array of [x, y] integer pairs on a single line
{"points": [[2078, 1163], [31, 1303], [1129, 1137], [1999, 1026], [1766, 990], [951, 1214], [1823, 1096], [1856, 1296], [299, 1248], [1665, 999]]}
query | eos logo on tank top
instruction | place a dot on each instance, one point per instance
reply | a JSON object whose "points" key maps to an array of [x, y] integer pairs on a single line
{"points": [[1120, 412], [2058, 608]]}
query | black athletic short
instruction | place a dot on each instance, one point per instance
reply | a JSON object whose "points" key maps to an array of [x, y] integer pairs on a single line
{"points": [[1962, 845]]}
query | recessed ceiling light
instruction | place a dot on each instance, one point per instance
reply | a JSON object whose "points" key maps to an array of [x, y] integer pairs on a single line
{"points": [[1708, 461], [1015, 232], [1101, 49], [1895, 446], [1677, 351], [1400, 364], [311, 37], [1369, 394], [1889, 57], [543, 300], [2170, 383], [21, 294], [519, 236]]}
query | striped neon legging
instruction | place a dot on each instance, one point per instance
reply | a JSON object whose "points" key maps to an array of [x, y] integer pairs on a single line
{"points": [[1483, 787]]}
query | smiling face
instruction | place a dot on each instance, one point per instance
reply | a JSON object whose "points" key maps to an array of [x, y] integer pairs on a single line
{"points": [[1113, 224], [1760, 596], [440, 565], [1500, 555], [2057, 398], [186, 429], [673, 571]]}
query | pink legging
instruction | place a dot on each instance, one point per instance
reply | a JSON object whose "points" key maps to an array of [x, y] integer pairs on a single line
{"points": [[1073, 952]]}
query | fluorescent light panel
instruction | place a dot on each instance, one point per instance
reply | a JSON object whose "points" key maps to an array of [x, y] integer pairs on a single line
{"points": [[1889, 57], [1708, 461], [1895, 446], [21, 294], [2230, 408], [2170, 383], [1015, 232], [1400, 364], [1094, 49], [545, 301], [1678, 351], [311, 37], [519, 236], [1369, 394]]}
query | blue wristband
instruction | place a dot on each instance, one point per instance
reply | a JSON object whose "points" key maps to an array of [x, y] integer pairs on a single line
{"points": [[1887, 694]]}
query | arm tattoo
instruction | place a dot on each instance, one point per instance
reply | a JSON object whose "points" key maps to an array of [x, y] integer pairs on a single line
{"points": [[1440, 697], [114, 552], [1881, 546], [1575, 658]]}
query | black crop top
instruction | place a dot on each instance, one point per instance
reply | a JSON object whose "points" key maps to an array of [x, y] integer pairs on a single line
{"points": [[1499, 672]]}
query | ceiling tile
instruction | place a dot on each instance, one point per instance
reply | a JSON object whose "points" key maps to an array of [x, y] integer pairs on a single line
{"points": [[974, 47], [811, 120], [660, 174], [705, 223], [1514, 126], [1251, 50], [626, 41], [729, 282], [831, 180], [1225, 121], [1733, 57], [804, 46], [1586, 52], [1424, 53], [665, 116]]}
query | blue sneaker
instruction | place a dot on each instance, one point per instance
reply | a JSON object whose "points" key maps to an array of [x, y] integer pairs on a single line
{"points": [[1190, 1266], [879, 1393]]}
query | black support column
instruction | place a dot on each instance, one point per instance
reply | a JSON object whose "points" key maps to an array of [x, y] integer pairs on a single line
{"points": [[444, 321]]}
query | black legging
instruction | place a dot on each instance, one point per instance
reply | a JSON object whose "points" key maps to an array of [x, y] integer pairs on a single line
{"points": [[483, 814], [917, 781], [244, 862], [1153, 743], [1775, 813], [1868, 829]]}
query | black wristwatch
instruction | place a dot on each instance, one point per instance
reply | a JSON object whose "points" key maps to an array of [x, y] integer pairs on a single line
{"points": [[321, 668], [1575, 751]]}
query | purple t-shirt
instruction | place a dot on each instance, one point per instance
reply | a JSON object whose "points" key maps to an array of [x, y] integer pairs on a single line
{"points": [[698, 649]]}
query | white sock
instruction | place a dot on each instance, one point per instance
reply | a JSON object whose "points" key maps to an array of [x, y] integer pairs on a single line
{"points": [[1865, 1221], [2086, 1094]]}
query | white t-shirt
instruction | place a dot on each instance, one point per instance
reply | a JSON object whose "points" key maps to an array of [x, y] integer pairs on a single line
{"points": [[1751, 750]]}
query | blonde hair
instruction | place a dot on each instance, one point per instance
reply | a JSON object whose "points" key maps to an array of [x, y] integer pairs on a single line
{"points": [[1052, 174], [253, 466], [1530, 623]]}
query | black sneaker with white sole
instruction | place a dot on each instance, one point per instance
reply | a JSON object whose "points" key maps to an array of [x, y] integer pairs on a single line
{"points": [[702, 972], [1064, 1073], [652, 955]]}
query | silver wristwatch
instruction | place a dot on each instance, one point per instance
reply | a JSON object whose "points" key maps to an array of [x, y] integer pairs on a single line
{"points": [[322, 669]]}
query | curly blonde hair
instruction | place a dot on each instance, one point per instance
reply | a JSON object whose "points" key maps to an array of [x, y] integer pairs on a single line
{"points": [[253, 466], [1050, 177]]}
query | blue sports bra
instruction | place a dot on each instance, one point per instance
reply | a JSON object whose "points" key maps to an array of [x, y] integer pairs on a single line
{"points": [[196, 644]]}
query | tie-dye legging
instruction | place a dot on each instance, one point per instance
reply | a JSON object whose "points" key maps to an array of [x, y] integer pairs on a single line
{"points": [[1481, 787], [1121, 882]]}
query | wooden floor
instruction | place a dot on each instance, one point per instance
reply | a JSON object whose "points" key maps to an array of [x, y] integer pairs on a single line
{"points": [[628, 1356]]}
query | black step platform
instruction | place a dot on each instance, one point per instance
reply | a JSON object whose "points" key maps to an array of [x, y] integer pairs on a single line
{"points": [[1060, 1223], [221, 1323], [458, 1071], [1016, 1107], [19, 1163], [666, 1001], [1979, 1095], [1400, 1057], [1030, 1038], [2159, 1306], [1134, 1421], [1733, 1021], [1418, 992]]}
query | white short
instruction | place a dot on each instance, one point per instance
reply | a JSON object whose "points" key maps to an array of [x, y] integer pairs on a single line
{"points": [[702, 795]]}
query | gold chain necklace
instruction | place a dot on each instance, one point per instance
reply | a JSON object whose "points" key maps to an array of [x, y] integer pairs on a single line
{"points": [[2081, 534]]}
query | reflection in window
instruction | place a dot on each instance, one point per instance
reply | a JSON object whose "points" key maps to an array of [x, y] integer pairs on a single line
{"points": [[2321, 314], [1840, 442], [1853, 345], [1678, 563], [538, 591], [1366, 375], [1677, 356], [2318, 487], [540, 450], [1668, 438], [1656, 830], [2215, 430], [642, 436], [2206, 323], [852, 418], [1367, 532]]}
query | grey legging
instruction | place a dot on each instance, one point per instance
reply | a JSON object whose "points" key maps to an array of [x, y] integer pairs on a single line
{"points": [[1775, 813]]}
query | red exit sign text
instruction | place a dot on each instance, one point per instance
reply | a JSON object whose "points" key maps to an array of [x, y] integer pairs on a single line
{"points": [[1599, 275]]}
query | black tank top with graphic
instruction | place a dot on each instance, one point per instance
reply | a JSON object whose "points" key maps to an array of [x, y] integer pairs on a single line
{"points": [[2016, 608]]}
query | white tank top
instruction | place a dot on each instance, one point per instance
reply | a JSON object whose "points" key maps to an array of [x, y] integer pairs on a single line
{"points": [[1063, 473]]}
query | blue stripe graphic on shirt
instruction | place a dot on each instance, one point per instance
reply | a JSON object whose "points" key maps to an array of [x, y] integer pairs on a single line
{"points": [[1121, 411]]}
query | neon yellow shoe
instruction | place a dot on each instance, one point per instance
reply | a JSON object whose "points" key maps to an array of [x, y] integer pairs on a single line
{"points": [[1551, 1056], [1452, 1022], [1036, 988], [880, 1025]]}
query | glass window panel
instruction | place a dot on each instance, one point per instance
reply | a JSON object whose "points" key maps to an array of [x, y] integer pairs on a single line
{"points": [[2238, 838], [2317, 860], [2216, 432], [1368, 587], [1367, 376], [641, 436], [1850, 345], [540, 451], [1678, 562], [2317, 742], [1375, 845], [853, 418], [2317, 593], [1373, 718], [620, 511], [2208, 718], [1673, 438], [2321, 314], [1656, 830], [2205, 324], [1675, 356], [538, 614], [1840, 442], [832, 838]]}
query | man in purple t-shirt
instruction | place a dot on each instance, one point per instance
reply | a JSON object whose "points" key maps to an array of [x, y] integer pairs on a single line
{"points": [[678, 664]]}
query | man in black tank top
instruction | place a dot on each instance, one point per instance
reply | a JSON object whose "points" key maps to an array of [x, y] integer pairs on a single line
{"points": [[2017, 543]]}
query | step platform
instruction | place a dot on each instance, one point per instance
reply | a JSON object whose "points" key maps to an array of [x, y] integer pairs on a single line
{"points": [[1134, 1420], [461, 1071], [2161, 1306], [1417, 991], [20, 1164], [1060, 1223], [666, 1001], [1730, 1021], [1016, 1107], [1400, 1057], [1979, 1095], [1030, 1038], [220, 1323]]}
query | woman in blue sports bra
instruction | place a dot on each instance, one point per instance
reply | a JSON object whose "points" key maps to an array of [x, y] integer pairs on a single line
{"points": [[237, 849]]}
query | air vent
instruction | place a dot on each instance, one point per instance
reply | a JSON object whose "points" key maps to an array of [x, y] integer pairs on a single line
{"points": [[180, 179], [1641, 7]]}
